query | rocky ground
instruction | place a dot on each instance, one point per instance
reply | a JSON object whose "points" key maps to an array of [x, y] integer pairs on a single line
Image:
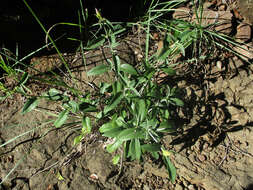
{"points": [[214, 148]]}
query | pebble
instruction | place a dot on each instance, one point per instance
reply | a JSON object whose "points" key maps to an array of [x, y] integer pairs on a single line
{"points": [[191, 187], [202, 157], [178, 187]]}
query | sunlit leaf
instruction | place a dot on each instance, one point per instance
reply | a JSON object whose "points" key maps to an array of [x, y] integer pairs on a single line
{"points": [[107, 127], [113, 132], [112, 147], [61, 119], [86, 124], [115, 159], [128, 69], [71, 105], [171, 169], [78, 139], [166, 152], [59, 176], [177, 101], [128, 134]]}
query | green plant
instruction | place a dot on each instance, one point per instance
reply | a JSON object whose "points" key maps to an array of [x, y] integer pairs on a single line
{"points": [[15, 76], [133, 108]]}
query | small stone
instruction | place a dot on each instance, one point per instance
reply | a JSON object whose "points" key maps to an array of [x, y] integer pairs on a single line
{"points": [[178, 187], [202, 157], [182, 13], [191, 187], [233, 110], [222, 7], [205, 146], [225, 25], [243, 32], [219, 65]]}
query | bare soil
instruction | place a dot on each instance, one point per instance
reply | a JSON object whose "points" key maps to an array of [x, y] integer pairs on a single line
{"points": [[214, 148]]}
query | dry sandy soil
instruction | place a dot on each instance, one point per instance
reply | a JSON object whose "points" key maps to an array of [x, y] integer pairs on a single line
{"points": [[214, 148]]}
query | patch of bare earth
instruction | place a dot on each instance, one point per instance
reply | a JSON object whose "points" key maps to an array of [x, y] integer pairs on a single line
{"points": [[214, 148]]}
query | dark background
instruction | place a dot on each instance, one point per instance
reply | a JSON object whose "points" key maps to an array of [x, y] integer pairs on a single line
{"points": [[19, 26]]}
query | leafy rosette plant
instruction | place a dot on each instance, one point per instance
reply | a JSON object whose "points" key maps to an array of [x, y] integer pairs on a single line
{"points": [[136, 111]]}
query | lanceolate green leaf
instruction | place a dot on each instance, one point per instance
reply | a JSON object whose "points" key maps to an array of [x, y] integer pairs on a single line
{"points": [[98, 70], [177, 101], [78, 139], [113, 132], [86, 124], [30, 105], [54, 94], [128, 69], [142, 111], [115, 101], [151, 147], [112, 147], [167, 126], [171, 169], [129, 134], [61, 119], [115, 159], [107, 127], [137, 149]]}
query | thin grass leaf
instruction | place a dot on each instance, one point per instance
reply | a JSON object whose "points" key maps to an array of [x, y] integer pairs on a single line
{"points": [[30, 105], [50, 38], [169, 71], [95, 43], [23, 79]]}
